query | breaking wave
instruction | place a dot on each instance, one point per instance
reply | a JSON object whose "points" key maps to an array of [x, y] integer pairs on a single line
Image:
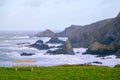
{"points": [[20, 37]]}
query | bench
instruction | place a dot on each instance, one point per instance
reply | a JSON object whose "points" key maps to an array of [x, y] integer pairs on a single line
{"points": [[23, 63]]}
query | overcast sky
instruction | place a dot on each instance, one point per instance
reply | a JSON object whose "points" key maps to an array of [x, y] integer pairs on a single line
{"points": [[54, 14]]}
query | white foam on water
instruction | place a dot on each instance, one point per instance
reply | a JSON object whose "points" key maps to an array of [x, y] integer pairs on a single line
{"points": [[55, 45], [26, 48], [20, 37], [14, 54], [79, 58], [79, 50], [44, 39], [50, 60], [63, 38], [53, 49]]}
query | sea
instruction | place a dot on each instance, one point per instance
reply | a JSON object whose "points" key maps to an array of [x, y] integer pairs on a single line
{"points": [[14, 43]]}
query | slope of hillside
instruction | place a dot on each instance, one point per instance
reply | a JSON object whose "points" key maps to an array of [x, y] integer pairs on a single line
{"points": [[77, 29], [80, 35], [46, 33], [108, 35]]}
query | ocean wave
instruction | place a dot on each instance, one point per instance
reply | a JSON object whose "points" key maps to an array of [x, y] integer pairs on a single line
{"points": [[63, 38], [44, 39], [21, 37], [55, 45], [5, 45], [80, 50], [50, 60], [12, 54]]}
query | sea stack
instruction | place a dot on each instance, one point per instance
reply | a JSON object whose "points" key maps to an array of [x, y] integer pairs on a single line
{"points": [[64, 49], [68, 47]]}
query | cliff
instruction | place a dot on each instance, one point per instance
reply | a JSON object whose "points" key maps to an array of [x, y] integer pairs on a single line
{"points": [[109, 36]]}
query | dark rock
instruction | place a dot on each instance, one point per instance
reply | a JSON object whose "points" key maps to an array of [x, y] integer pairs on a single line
{"points": [[39, 42], [27, 54], [96, 45], [65, 49], [78, 35], [100, 52], [106, 40], [40, 45], [55, 40], [69, 31], [97, 62], [103, 58], [78, 52], [68, 47], [108, 57]]}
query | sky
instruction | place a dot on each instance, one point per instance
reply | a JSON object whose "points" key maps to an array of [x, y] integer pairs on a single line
{"points": [[54, 14]]}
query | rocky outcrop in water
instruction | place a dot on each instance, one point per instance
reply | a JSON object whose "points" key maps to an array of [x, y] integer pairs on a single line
{"points": [[27, 54], [65, 49], [55, 40], [46, 33], [40, 45]]}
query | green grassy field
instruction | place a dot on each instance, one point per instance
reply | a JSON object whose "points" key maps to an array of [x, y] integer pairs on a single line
{"points": [[61, 73]]}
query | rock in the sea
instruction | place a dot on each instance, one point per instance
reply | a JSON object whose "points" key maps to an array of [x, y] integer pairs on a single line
{"points": [[39, 42], [96, 45], [68, 47], [102, 50], [97, 62], [40, 45], [55, 40], [27, 54], [65, 49], [46, 33]]}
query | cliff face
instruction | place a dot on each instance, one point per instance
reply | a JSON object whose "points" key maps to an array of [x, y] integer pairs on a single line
{"points": [[77, 34], [46, 33], [108, 35], [76, 30], [79, 37], [69, 31]]}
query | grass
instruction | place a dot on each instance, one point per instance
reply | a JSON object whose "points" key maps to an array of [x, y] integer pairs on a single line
{"points": [[65, 72]]}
